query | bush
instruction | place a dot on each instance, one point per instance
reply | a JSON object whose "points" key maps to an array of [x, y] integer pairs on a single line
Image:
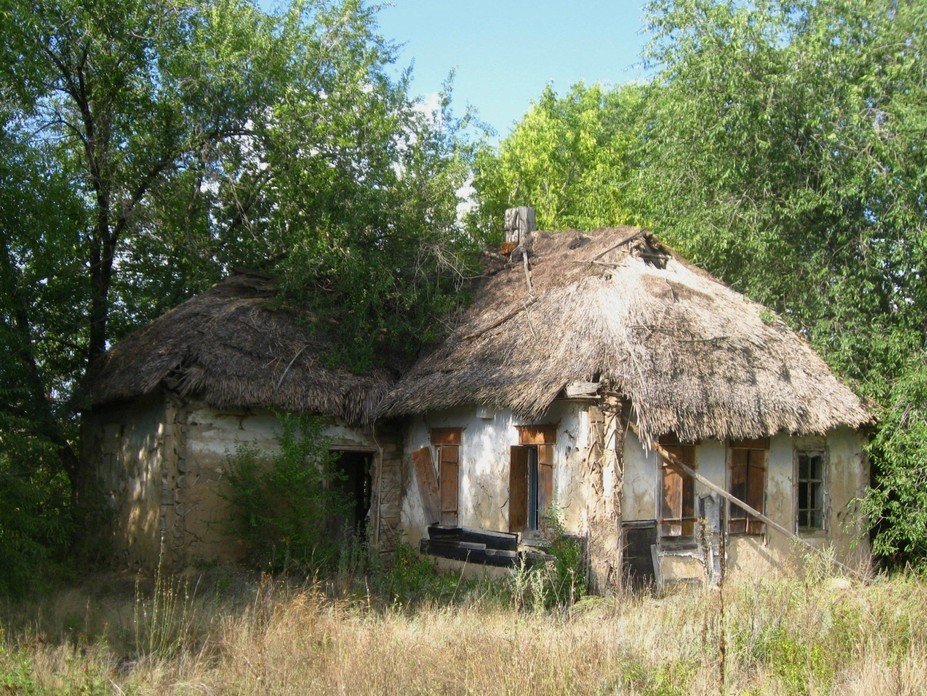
{"points": [[558, 583], [35, 519], [284, 509], [897, 505]]}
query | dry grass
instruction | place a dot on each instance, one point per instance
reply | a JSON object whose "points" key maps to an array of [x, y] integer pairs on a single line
{"points": [[815, 635]]}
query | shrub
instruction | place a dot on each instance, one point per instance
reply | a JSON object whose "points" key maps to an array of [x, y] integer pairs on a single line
{"points": [[559, 582], [35, 521], [284, 508]]}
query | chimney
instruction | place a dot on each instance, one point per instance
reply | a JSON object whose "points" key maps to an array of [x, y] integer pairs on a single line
{"points": [[519, 224]]}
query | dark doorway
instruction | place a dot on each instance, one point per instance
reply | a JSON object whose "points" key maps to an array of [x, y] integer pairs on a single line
{"points": [[355, 484]]}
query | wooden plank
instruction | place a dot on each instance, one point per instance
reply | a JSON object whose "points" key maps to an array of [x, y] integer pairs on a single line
{"points": [[537, 434], [760, 443], [449, 483], [446, 436], [427, 484], [580, 389], [518, 488]]}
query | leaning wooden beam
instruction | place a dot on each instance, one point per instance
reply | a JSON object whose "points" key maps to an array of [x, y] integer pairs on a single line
{"points": [[670, 457], [499, 322]]}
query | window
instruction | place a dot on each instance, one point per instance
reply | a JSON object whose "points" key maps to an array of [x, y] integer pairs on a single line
{"points": [[531, 477], [677, 491], [747, 483], [446, 442], [810, 504]]}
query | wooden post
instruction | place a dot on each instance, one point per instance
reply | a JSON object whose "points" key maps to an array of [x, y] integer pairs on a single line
{"points": [[605, 467]]}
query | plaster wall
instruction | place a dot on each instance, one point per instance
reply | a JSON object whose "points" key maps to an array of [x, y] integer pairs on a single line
{"points": [[484, 466], [211, 436], [846, 478], [127, 445], [161, 465]]}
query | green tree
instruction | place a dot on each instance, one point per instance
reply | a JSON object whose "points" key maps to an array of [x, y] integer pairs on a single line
{"points": [[573, 158], [786, 152], [150, 147]]}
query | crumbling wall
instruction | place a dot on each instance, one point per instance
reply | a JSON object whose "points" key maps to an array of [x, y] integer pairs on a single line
{"points": [[210, 436], [845, 530], [604, 468], [125, 446], [484, 467]]}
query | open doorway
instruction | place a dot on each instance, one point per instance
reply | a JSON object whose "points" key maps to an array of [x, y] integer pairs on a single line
{"points": [[530, 486], [355, 484]]}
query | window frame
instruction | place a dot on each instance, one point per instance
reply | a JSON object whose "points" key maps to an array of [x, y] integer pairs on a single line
{"points": [[539, 443], [821, 451]]}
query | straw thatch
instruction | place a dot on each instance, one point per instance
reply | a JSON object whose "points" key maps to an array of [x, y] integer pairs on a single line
{"points": [[230, 348], [615, 305]]}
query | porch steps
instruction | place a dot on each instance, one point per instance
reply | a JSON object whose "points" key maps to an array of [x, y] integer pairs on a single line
{"points": [[477, 546]]}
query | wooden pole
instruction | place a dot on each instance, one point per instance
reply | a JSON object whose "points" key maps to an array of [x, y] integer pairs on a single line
{"points": [[670, 457]]}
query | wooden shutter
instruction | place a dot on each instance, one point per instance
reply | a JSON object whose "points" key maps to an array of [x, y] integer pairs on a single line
{"points": [[738, 488], [672, 500], [450, 470], [748, 483], [678, 494], [447, 446], [518, 488], [756, 489], [427, 484], [545, 481]]}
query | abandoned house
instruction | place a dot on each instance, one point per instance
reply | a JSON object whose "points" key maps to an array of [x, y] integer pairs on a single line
{"points": [[175, 398], [598, 378]]}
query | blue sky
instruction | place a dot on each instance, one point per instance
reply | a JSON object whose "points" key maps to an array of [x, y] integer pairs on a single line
{"points": [[505, 51]]}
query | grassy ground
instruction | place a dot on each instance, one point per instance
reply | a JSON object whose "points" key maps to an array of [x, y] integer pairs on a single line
{"points": [[227, 633]]}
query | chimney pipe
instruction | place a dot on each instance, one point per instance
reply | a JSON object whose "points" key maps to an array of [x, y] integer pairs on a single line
{"points": [[520, 222]]}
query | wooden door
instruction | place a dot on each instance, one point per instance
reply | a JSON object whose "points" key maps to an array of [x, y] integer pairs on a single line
{"points": [[427, 484], [518, 488], [450, 471]]}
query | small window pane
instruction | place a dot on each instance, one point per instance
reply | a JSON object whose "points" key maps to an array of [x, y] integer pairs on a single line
{"points": [[810, 491]]}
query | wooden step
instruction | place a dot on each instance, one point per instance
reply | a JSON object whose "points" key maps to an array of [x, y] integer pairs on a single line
{"points": [[503, 541]]}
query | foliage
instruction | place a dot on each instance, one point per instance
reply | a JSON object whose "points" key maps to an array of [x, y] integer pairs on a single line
{"points": [[148, 148], [411, 579], [782, 146], [285, 510], [569, 572], [560, 582], [35, 522], [898, 506], [570, 157]]}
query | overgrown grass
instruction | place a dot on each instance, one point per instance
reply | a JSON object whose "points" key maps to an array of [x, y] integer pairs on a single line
{"points": [[409, 629]]}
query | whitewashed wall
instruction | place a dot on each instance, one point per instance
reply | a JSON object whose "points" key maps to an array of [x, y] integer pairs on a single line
{"points": [[847, 477], [484, 480], [484, 466]]}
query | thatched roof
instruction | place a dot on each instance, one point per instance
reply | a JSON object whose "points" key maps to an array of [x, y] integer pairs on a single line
{"points": [[615, 305], [230, 348]]}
